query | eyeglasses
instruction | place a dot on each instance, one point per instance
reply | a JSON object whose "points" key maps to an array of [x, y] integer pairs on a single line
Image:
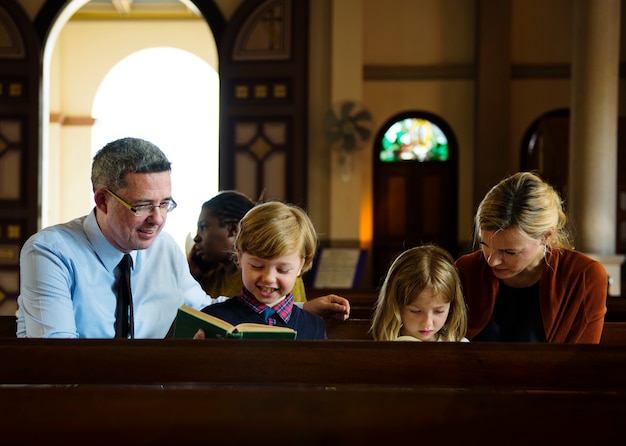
{"points": [[143, 210]]}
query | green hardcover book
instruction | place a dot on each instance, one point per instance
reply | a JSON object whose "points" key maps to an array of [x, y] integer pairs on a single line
{"points": [[189, 320]]}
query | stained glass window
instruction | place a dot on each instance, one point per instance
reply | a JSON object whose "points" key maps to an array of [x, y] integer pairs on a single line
{"points": [[414, 139]]}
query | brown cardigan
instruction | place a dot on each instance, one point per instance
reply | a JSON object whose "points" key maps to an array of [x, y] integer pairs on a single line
{"points": [[572, 295]]}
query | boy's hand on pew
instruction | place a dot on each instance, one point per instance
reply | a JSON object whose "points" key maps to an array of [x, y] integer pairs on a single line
{"points": [[199, 334], [330, 306]]}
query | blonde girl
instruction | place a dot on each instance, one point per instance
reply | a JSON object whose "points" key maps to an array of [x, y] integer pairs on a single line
{"points": [[421, 299]]}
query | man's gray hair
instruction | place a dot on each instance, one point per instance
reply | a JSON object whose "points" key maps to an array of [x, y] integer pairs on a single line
{"points": [[127, 155]]}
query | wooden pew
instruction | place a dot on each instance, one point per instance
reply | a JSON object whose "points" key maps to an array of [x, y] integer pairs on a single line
{"points": [[305, 416], [358, 329], [322, 392], [8, 325], [614, 333], [616, 309], [318, 363], [352, 329]]}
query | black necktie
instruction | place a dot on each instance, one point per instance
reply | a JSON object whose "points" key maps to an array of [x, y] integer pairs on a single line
{"points": [[124, 311]]}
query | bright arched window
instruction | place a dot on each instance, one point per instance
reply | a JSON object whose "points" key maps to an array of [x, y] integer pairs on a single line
{"points": [[414, 139], [169, 97]]}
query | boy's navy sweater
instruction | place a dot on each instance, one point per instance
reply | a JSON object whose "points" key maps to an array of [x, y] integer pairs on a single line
{"points": [[308, 325]]}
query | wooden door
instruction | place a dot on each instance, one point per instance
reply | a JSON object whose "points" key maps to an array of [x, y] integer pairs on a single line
{"points": [[415, 202], [545, 148]]}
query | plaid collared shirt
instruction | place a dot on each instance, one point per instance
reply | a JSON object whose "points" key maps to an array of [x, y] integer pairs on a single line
{"points": [[283, 309]]}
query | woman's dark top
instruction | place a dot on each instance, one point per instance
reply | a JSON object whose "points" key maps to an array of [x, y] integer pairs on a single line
{"points": [[516, 317]]}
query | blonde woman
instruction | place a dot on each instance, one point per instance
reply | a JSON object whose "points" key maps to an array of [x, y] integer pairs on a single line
{"points": [[526, 283]]}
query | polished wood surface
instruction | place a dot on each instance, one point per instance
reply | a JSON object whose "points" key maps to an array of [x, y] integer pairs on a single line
{"points": [[324, 363], [306, 416]]}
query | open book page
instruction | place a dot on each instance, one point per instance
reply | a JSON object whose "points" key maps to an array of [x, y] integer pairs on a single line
{"points": [[189, 320], [407, 338]]}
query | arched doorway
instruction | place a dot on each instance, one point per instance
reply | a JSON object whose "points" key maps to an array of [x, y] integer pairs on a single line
{"points": [[163, 99], [415, 187], [182, 121], [247, 95], [24, 123], [545, 149]]}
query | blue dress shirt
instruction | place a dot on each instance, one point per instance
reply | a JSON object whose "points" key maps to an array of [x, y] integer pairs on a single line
{"points": [[68, 277]]}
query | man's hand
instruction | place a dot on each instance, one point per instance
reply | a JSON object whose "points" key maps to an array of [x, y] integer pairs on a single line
{"points": [[330, 306]]}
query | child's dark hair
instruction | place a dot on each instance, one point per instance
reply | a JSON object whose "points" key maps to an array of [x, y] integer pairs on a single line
{"points": [[229, 206]]}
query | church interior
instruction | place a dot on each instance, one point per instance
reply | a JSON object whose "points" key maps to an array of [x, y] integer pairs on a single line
{"points": [[301, 99]]}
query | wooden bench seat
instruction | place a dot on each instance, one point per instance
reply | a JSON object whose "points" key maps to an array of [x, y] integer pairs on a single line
{"points": [[112, 415]]}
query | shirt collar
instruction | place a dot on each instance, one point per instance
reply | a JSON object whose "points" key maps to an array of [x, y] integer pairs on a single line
{"points": [[283, 309], [106, 252]]}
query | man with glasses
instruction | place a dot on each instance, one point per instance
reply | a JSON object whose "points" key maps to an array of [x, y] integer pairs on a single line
{"points": [[70, 272]]}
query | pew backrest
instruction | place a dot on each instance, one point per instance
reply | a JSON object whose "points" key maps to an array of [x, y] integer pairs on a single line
{"points": [[323, 363], [614, 333], [358, 329], [8, 326]]}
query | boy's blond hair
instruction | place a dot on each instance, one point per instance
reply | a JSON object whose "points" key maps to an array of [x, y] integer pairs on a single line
{"points": [[273, 229]]}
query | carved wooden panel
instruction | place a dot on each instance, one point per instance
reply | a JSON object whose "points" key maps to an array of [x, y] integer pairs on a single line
{"points": [[263, 71], [20, 68]]}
